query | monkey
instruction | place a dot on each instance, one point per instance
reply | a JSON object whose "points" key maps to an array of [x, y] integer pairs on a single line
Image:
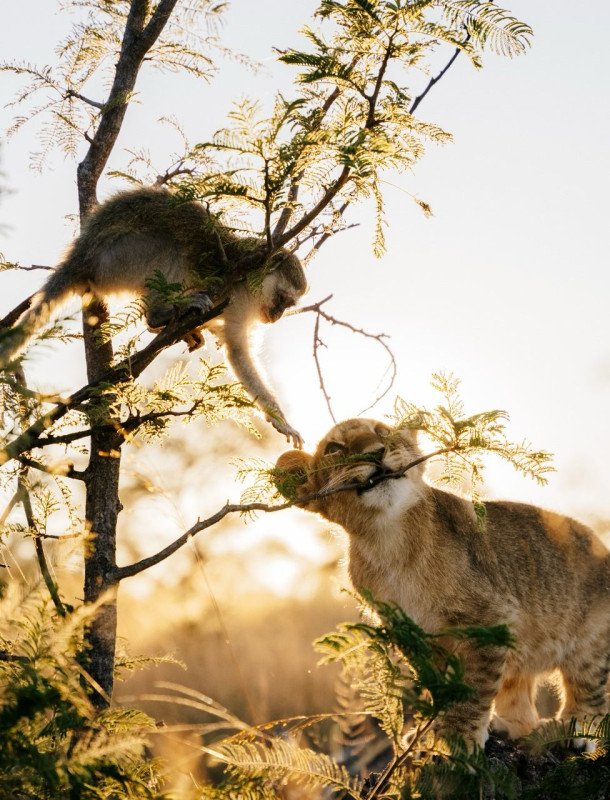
{"points": [[140, 239]]}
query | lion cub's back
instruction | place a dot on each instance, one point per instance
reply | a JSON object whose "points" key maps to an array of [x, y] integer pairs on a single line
{"points": [[547, 557]]}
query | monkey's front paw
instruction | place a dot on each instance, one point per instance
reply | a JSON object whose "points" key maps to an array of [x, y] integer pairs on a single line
{"points": [[283, 427]]}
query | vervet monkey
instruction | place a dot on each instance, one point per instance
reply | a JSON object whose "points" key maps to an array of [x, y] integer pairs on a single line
{"points": [[545, 576], [135, 237]]}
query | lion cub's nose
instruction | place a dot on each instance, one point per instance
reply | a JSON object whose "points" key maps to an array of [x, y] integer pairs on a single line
{"points": [[366, 444]]}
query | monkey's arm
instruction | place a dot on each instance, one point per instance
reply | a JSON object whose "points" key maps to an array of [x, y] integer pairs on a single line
{"points": [[238, 352]]}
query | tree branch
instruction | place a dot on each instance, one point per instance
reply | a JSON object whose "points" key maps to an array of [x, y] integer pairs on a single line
{"points": [[370, 120], [293, 192], [130, 368], [63, 471], [317, 343], [326, 198], [281, 237], [246, 508], [40, 554], [435, 80], [11, 318], [379, 337], [156, 24], [94, 103]]}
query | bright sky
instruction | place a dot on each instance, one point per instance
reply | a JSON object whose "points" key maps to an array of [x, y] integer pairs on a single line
{"points": [[506, 285]]}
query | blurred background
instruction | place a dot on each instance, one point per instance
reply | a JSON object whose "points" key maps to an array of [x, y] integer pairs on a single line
{"points": [[506, 286]]}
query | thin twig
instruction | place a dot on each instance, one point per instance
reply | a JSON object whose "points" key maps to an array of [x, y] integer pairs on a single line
{"points": [[267, 205], [62, 470], [40, 554], [10, 506], [94, 103], [161, 180], [378, 337], [328, 233], [398, 761], [33, 267], [317, 343]]}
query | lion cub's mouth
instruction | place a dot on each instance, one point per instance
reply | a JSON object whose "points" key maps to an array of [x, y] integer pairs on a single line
{"points": [[381, 474]]}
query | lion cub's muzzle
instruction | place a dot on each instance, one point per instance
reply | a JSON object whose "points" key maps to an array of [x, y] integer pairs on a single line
{"points": [[382, 473]]}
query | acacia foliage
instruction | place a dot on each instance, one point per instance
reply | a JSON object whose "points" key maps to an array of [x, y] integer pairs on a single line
{"points": [[290, 176]]}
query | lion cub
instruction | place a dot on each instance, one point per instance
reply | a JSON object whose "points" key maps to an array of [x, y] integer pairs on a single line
{"points": [[544, 575]]}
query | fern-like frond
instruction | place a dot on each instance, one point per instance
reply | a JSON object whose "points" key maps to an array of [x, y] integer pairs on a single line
{"points": [[281, 760]]}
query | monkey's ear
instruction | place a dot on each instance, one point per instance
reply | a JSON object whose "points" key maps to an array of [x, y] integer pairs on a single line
{"points": [[291, 474]]}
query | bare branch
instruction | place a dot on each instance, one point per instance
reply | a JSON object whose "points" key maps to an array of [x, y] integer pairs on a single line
{"points": [[246, 508], [327, 234], [317, 343], [378, 337], [31, 268], [161, 180], [11, 318], [40, 554], [94, 103], [435, 80], [62, 470]]}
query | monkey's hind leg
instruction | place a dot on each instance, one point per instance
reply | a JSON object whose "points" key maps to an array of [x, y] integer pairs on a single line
{"points": [[160, 313], [159, 316], [194, 339], [201, 302]]}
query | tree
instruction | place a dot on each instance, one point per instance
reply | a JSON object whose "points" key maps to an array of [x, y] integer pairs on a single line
{"points": [[289, 177]]}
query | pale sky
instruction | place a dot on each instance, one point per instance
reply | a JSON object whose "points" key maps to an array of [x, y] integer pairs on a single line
{"points": [[506, 285]]}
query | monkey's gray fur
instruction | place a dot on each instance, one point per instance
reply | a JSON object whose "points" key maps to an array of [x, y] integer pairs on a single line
{"points": [[137, 235]]}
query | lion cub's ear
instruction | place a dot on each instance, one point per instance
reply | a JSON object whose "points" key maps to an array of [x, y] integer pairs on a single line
{"points": [[292, 470]]}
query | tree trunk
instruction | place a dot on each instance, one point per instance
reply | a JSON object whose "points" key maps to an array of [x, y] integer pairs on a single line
{"points": [[102, 503]]}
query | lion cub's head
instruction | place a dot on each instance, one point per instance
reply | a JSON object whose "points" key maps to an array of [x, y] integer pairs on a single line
{"points": [[356, 452]]}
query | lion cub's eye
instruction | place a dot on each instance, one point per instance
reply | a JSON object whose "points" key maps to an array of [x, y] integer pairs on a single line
{"points": [[334, 447]]}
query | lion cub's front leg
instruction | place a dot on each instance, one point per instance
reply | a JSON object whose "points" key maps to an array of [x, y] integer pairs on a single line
{"points": [[483, 669]]}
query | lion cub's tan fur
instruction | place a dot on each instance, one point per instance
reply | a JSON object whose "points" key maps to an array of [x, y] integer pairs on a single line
{"points": [[544, 575]]}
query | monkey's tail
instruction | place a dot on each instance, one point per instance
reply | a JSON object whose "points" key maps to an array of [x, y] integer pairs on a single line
{"points": [[56, 290]]}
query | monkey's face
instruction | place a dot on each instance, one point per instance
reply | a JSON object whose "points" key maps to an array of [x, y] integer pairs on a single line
{"points": [[277, 294]]}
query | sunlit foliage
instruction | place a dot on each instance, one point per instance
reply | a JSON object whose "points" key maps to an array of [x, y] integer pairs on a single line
{"points": [[52, 741], [352, 118]]}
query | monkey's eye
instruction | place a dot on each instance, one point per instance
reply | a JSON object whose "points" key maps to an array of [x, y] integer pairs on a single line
{"points": [[332, 448], [284, 300]]}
